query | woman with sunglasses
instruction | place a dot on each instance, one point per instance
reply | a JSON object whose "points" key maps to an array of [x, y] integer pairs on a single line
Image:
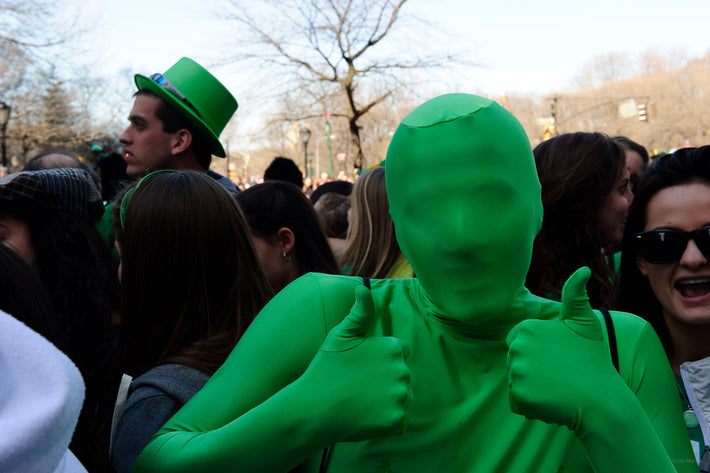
{"points": [[191, 284], [665, 267]]}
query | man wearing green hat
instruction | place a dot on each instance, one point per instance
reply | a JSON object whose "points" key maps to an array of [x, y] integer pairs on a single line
{"points": [[175, 123], [176, 120]]}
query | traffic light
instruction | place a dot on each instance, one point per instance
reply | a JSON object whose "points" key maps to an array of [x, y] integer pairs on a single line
{"points": [[642, 112]]}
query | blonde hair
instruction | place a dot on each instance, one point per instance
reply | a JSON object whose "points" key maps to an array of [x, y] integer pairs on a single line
{"points": [[372, 247]]}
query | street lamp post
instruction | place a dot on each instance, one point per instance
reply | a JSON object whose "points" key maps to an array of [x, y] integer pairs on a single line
{"points": [[330, 138], [4, 118], [305, 135]]}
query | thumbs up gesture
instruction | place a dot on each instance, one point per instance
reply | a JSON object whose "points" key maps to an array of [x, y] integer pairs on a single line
{"points": [[576, 313], [560, 370], [360, 383]]}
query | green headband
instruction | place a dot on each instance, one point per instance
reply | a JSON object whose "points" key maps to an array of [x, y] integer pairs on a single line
{"points": [[129, 195]]}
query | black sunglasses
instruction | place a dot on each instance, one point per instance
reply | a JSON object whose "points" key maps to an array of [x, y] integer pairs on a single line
{"points": [[667, 246]]}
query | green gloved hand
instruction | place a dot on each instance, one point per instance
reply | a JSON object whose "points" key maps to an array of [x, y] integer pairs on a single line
{"points": [[362, 383], [559, 370]]}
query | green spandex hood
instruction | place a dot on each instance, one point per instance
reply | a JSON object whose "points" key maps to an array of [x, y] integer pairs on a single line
{"points": [[464, 164]]}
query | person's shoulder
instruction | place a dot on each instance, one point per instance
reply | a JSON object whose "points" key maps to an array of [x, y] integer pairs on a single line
{"points": [[174, 380], [628, 324], [167, 373], [224, 182], [326, 293], [326, 285], [337, 284]]}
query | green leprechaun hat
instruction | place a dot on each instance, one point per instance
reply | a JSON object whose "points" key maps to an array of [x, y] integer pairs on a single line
{"points": [[197, 94]]}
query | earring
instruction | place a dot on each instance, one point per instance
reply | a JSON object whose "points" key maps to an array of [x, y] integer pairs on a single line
{"points": [[286, 256]]}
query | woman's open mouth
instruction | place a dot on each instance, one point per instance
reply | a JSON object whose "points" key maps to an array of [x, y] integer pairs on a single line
{"points": [[693, 288]]}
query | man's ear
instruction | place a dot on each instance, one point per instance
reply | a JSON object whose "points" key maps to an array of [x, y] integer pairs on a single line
{"points": [[287, 239], [182, 139]]}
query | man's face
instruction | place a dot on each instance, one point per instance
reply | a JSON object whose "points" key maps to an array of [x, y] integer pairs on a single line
{"points": [[147, 146]]}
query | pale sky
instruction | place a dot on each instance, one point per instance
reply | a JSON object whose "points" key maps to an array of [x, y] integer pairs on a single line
{"points": [[541, 45], [521, 46], [527, 45]]}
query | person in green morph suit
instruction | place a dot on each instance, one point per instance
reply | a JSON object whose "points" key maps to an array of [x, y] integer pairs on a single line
{"points": [[458, 370]]}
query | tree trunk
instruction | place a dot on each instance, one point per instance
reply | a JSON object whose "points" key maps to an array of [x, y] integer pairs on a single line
{"points": [[358, 161]]}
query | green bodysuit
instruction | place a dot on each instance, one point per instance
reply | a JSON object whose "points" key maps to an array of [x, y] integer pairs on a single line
{"points": [[460, 370]]}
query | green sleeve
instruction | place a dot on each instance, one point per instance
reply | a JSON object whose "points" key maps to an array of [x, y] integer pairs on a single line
{"points": [[225, 419], [106, 230], [647, 372], [301, 403], [591, 398], [648, 407]]}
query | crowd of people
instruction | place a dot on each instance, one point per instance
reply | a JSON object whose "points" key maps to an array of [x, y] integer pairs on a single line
{"points": [[468, 304]]}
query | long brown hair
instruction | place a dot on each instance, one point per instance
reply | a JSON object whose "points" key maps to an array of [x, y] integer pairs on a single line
{"points": [[191, 281], [372, 247], [577, 171]]}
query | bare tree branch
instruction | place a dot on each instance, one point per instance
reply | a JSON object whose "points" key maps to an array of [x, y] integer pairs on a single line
{"points": [[328, 45]]}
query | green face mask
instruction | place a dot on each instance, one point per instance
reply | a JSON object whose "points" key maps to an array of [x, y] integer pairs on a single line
{"points": [[464, 164]]}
